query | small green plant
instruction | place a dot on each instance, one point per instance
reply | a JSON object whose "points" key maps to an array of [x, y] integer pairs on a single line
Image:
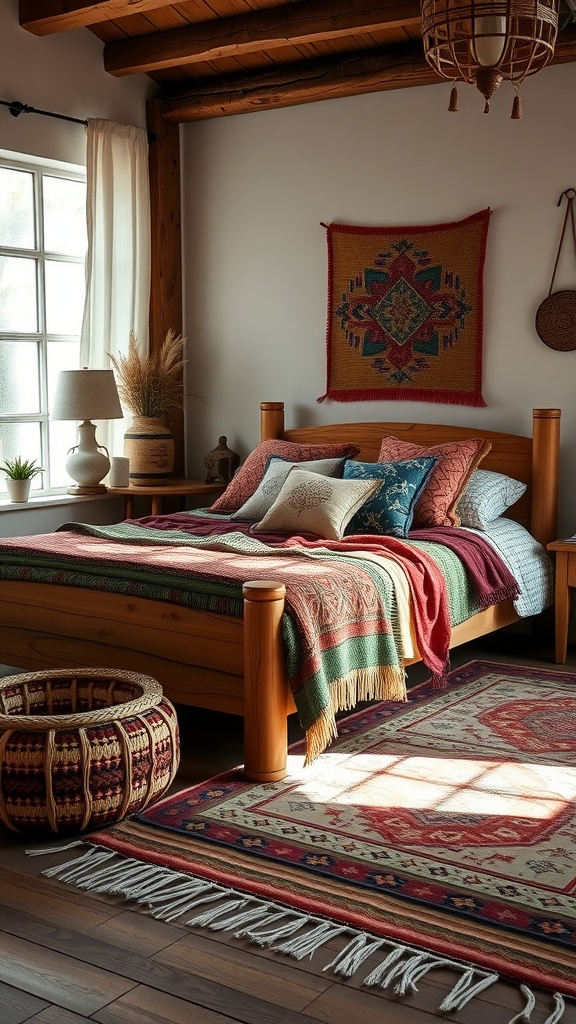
{"points": [[20, 469]]}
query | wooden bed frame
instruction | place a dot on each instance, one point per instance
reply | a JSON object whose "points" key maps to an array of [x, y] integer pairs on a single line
{"points": [[236, 665]]}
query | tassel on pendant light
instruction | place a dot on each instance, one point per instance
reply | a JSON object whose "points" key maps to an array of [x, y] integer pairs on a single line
{"points": [[516, 114], [453, 105]]}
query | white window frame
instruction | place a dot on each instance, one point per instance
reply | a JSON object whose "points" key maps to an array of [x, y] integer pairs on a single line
{"points": [[39, 166]]}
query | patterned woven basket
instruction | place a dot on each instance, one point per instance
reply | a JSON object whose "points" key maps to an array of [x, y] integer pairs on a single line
{"points": [[82, 748]]}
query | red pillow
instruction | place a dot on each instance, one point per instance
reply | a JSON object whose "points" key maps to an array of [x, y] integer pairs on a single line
{"points": [[457, 460], [248, 477]]}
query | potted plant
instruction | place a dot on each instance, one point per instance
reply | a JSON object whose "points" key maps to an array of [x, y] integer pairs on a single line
{"points": [[19, 475], [151, 387]]}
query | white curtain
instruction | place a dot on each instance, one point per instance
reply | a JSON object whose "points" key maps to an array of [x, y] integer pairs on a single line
{"points": [[118, 258]]}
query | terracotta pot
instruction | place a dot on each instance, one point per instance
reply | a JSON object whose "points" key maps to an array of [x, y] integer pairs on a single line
{"points": [[149, 446]]}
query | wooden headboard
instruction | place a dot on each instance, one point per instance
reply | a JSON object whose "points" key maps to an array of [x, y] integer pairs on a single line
{"points": [[534, 460]]}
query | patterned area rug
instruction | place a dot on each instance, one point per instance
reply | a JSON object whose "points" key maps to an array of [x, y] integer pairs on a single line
{"points": [[441, 830], [405, 312]]}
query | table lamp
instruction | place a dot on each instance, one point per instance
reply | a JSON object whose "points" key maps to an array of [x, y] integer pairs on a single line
{"points": [[87, 395]]}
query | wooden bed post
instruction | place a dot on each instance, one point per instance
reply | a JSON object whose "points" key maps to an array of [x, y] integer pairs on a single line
{"points": [[271, 420], [265, 697], [545, 457]]}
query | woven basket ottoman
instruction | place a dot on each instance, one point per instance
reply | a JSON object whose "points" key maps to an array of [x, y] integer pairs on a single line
{"points": [[82, 748]]}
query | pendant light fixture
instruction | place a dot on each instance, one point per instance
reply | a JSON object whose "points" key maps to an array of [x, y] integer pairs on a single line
{"points": [[485, 42]]}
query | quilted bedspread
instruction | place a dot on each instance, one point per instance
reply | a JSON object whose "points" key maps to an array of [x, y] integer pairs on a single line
{"points": [[341, 630]]}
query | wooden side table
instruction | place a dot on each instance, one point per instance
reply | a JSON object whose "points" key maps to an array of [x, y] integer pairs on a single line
{"points": [[176, 488], [565, 579]]}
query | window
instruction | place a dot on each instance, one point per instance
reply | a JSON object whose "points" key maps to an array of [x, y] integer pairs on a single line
{"points": [[42, 253]]}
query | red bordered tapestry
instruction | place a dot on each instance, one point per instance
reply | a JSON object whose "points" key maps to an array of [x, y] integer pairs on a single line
{"points": [[405, 312]]}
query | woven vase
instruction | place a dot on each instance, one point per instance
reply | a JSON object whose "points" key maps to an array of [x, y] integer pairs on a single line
{"points": [[149, 445]]}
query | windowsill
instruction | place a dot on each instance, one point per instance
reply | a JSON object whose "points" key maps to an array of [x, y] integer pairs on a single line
{"points": [[36, 502]]}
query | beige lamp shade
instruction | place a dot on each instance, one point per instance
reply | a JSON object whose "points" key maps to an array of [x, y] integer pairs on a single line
{"points": [[86, 395]]}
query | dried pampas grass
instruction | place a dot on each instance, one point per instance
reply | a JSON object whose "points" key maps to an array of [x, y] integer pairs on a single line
{"points": [[151, 385]]}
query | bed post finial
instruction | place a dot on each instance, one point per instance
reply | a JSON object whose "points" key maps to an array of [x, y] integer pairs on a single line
{"points": [[271, 420]]}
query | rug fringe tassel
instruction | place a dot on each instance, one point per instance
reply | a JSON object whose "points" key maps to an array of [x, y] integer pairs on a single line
{"points": [[524, 1016], [558, 1011], [169, 895], [306, 945]]}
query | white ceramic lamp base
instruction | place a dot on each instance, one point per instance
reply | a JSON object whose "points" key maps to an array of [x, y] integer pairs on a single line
{"points": [[86, 462]]}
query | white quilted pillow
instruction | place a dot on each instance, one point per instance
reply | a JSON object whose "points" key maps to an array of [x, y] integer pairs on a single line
{"points": [[486, 498]]}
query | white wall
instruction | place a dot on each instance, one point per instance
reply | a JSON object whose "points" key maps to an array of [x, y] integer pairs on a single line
{"points": [[256, 187], [62, 73]]}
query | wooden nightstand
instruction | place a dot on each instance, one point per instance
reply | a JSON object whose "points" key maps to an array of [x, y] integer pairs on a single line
{"points": [[176, 488], [565, 578]]}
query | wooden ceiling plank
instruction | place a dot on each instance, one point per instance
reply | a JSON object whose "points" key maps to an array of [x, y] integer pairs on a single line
{"points": [[309, 21], [44, 17]]}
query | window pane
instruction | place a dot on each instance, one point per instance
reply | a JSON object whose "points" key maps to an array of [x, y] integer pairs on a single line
{"points": [[18, 294], [64, 216], [19, 388], [16, 208], [64, 297], [20, 439], [63, 435], [62, 355]]}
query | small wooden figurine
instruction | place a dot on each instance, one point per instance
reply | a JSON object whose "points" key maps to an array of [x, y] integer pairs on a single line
{"points": [[221, 463]]}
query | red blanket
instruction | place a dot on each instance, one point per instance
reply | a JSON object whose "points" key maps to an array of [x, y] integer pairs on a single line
{"points": [[493, 581]]}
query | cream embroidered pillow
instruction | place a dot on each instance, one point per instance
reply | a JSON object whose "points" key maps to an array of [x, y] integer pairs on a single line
{"points": [[310, 503]]}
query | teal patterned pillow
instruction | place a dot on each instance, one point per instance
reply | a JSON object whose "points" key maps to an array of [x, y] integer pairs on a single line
{"points": [[391, 507]]}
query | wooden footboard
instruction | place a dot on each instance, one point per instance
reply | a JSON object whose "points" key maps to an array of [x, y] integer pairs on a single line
{"points": [[201, 659]]}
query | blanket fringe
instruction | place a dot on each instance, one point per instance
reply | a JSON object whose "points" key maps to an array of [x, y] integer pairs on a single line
{"points": [[169, 895], [381, 682]]}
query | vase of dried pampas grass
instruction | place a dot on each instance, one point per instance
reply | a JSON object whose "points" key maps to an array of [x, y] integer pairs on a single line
{"points": [[151, 388]]}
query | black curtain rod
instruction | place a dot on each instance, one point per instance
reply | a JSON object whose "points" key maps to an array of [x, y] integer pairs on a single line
{"points": [[16, 108]]}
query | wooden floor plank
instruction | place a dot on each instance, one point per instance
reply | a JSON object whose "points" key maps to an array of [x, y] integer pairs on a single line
{"points": [[51, 941], [56, 977], [277, 982], [144, 1005], [56, 1015], [138, 932], [17, 1006], [20, 892]]}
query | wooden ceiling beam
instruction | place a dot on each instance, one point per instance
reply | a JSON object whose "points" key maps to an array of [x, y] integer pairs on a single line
{"points": [[305, 22], [313, 80], [306, 82], [44, 17]]}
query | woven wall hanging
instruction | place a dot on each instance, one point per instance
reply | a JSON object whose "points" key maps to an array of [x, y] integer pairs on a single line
{"points": [[405, 312], [556, 315]]}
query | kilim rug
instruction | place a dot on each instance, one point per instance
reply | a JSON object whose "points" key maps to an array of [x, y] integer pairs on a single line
{"points": [[405, 312], [441, 831]]}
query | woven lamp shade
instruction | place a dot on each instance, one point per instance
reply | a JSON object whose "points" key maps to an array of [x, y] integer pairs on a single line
{"points": [[484, 42]]}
